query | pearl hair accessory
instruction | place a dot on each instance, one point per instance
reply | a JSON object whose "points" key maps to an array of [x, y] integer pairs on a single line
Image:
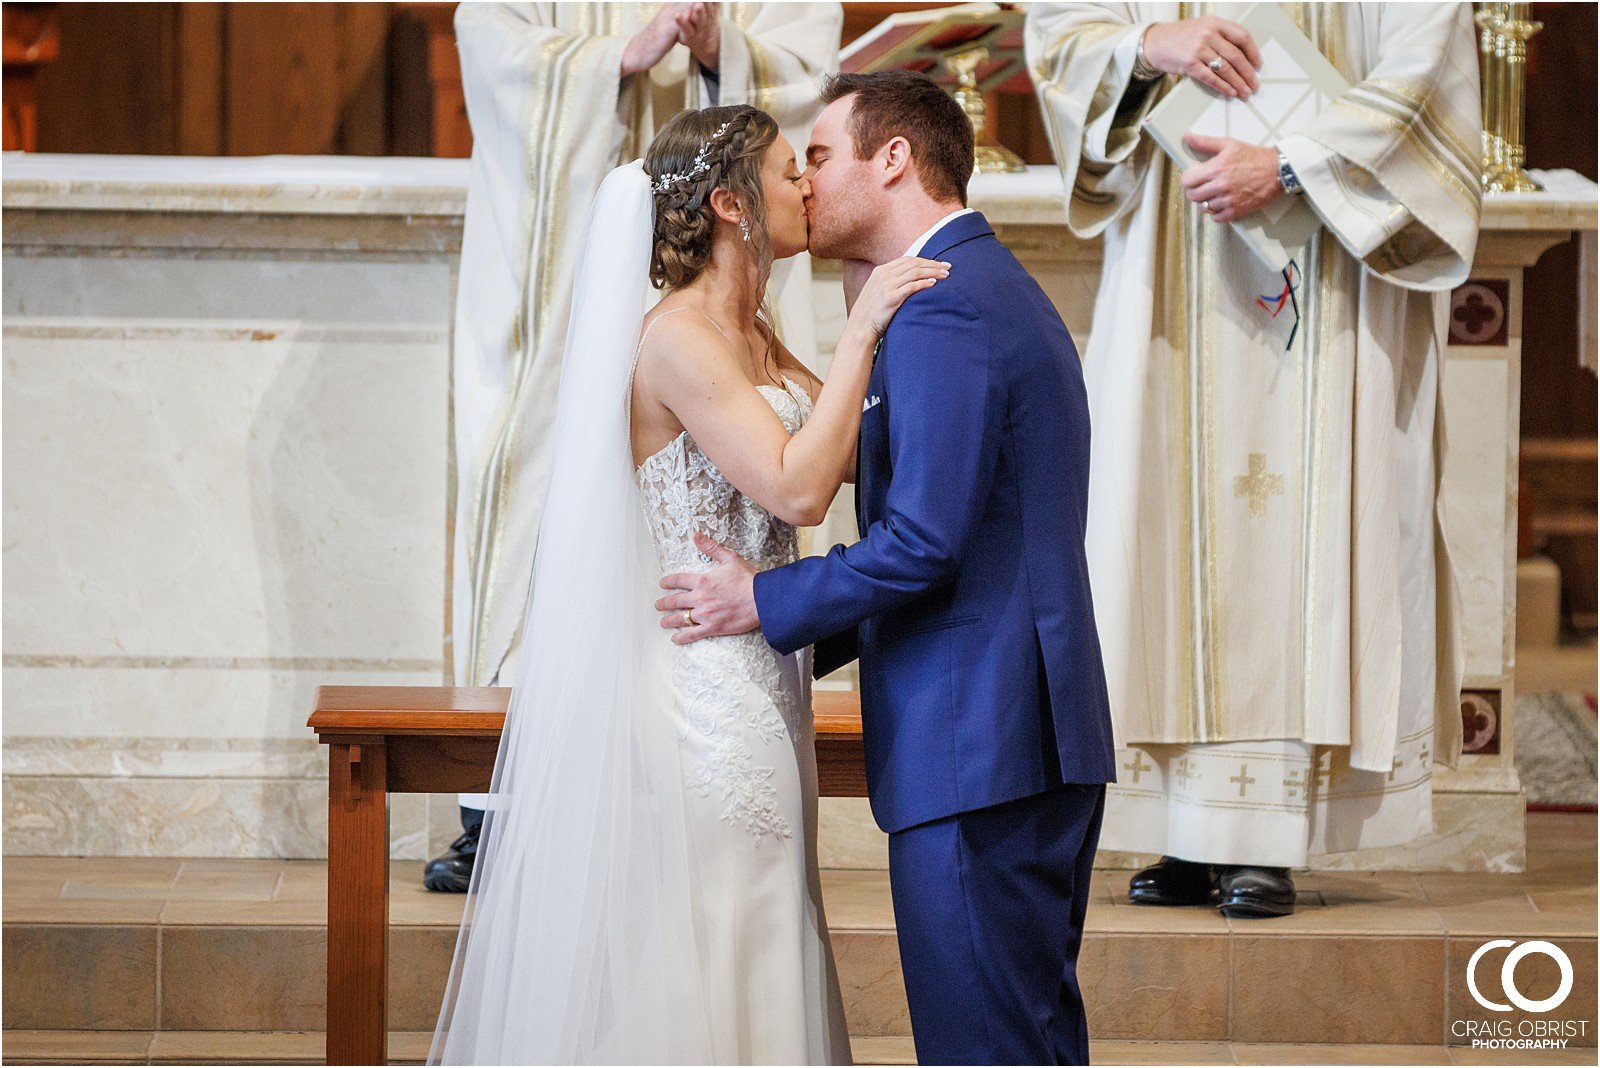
{"points": [[699, 167]]}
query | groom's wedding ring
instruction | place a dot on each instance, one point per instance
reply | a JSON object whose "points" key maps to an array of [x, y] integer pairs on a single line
{"points": [[1216, 65], [688, 617]]}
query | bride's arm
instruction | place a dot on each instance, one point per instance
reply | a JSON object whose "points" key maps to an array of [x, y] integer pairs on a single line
{"points": [[788, 361], [695, 372]]}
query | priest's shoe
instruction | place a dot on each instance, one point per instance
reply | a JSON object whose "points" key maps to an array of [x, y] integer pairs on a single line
{"points": [[451, 872], [1247, 892], [1172, 882]]}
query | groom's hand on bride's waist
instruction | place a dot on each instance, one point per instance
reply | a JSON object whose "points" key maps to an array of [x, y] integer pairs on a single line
{"points": [[707, 604]]}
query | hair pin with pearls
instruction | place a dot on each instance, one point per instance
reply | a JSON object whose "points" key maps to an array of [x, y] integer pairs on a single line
{"points": [[700, 165]]}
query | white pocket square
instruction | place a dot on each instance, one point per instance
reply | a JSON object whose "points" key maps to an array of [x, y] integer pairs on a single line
{"points": [[870, 402]]}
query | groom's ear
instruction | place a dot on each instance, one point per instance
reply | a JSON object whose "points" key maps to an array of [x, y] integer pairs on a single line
{"points": [[894, 159]]}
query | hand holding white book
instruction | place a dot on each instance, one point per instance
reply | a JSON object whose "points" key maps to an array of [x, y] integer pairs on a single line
{"points": [[1296, 83]]}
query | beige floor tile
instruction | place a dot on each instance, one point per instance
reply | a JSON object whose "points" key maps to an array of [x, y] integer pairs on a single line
{"points": [[419, 965], [245, 913], [1390, 989], [70, 977], [18, 867], [1366, 919], [214, 880], [1108, 887], [412, 905], [243, 978], [857, 900], [200, 866], [1577, 900], [1475, 890], [1150, 919], [1114, 1051], [870, 980], [1276, 1053], [238, 1047], [31, 890], [303, 880], [1156, 986], [1502, 924], [409, 1047], [122, 877], [82, 911], [883, 1050], [74, 1047], [1365, 888]]}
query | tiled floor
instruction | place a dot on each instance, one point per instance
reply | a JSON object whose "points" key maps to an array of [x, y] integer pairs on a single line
{"points": [[1400, 937], [1558, 887]]}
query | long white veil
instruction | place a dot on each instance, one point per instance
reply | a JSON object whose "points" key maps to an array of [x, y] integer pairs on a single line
{"points": [[578, 943]]}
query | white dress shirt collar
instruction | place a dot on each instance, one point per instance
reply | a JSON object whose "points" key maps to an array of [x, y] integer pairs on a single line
{"points": [[916, 246]]}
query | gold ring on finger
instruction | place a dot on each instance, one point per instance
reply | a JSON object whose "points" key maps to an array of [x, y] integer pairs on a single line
{"points": [[688, 617]]}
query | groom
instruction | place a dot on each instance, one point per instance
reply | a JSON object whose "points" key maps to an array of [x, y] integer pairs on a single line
{"points": [[983, 701]]}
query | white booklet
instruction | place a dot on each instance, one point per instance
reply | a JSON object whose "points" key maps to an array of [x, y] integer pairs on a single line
{"points": [[1297, 82]]}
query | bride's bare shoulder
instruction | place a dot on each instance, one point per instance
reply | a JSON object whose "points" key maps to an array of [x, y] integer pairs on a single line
{"points": [[681, 341]]}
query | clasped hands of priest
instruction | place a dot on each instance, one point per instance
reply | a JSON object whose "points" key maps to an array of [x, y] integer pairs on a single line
{"points": [[694, 26], [1238, 178]]}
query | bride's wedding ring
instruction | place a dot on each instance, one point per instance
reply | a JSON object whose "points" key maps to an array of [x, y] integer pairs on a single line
{"points": [[1205, 206], [688, 617], [1216, 65]]}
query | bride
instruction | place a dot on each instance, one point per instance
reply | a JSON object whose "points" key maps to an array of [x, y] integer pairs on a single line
{"points": [[646, 888]]}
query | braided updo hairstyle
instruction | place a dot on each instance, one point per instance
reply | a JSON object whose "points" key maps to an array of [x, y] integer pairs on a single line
{"points": [[684, 219]]}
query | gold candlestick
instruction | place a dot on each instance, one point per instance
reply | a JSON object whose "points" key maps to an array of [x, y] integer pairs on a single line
{"points": [[1504, 30], [991, 157]]}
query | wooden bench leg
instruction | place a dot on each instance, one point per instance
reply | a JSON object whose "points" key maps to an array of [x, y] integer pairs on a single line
{"points": [[358, 902]]}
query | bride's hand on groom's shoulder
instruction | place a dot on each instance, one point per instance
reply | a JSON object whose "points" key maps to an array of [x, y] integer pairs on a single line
{"points": [[709, 604], [887, 287]]}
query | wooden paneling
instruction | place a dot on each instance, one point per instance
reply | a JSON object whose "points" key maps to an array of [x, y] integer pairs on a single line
{"points": [[306, 79], [219, 79], [112, 88], [198, 87]]}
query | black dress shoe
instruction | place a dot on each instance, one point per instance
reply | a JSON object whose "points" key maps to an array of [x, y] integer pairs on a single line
{"points": [[1247, 892], [451, 873], [1172, 882]]}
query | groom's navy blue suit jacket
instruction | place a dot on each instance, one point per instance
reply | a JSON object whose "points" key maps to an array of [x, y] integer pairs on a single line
{"points": [[967, 597]]}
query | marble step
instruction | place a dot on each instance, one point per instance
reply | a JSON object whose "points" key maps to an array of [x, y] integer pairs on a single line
{"points": [[180, 946], [305, 1047]]}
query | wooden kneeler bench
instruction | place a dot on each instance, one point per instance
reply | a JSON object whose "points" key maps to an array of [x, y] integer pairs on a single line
{"points": [[439, 739]]}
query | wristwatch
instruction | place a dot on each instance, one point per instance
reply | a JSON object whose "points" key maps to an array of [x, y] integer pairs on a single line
{"points": [[1143, 71], [1286, 176]]}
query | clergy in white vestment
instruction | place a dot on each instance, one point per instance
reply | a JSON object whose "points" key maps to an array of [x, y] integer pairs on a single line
{"points": [[557, 95], [1271, 583]]}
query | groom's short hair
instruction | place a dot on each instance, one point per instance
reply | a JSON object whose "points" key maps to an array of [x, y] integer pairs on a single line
{"points": [[898, 103]]}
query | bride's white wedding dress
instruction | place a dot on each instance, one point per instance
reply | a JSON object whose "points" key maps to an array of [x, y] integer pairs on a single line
{"points": [[743, 714], [645, 890]]}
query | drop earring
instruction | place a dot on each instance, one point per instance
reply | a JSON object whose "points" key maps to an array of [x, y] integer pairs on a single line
{"points": [[744, 228]]}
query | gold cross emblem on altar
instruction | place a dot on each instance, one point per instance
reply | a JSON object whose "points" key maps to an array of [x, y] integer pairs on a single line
{"points": [[1244, 778], [1258, 485], [1137, 765]]}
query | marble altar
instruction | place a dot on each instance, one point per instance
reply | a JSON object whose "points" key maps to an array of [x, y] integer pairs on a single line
{"points": [[227, 479]]}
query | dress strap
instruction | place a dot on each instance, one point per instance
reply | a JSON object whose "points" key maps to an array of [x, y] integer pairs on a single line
{"points": [[664, 315]]}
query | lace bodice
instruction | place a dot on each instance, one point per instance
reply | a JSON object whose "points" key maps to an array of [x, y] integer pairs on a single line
{"points": [[684, 492]]}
